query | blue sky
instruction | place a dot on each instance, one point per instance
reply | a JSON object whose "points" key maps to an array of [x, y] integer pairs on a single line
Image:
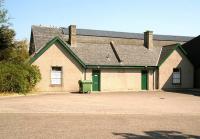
{"points": [[171, 17]]}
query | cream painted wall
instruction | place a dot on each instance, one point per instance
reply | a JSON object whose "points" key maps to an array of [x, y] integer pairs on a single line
{"points": [[151, 80], [123, 79], [89, 74], [111, 79], [72, 71], [176, 59], [118, 79]]}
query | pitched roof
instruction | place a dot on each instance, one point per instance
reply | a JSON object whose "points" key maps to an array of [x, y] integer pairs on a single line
{"points": [[45, 34], [42, 35], [96, 54], [102, 54], [193, 48], [167, 51], [115, 34], [63, 45], [138, 55]]}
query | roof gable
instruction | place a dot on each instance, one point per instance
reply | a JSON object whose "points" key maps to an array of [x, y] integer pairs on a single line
{"points": [[168, 50], [56, 40]]}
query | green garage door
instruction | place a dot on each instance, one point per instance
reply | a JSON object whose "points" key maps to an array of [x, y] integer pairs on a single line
{"points": [[96, 80], [144, 82]]}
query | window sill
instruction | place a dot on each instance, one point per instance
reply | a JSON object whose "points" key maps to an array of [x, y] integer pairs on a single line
{"points": [[55, 85]]}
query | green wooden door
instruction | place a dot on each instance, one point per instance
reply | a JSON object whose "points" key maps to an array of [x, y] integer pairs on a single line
{"points": [[144, 82], [96, 80]]}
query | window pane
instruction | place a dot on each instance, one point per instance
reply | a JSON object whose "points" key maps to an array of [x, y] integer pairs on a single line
{"points": [[55, 81], [56, 75], [176, 81], [176, 75]]}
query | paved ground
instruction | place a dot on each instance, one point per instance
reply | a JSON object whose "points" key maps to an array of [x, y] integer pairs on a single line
{"points": [[105, 115], [104, 103], [70, 126]]}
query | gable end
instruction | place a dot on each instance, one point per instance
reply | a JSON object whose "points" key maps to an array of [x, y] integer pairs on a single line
{"points": [[56, 40], [177, 46]]}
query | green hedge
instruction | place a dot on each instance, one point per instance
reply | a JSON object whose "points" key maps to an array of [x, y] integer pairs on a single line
{"points": [[20, 78]]}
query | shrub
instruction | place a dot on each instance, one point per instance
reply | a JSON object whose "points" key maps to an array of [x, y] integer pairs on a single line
{"points": [[33, 76], [20, 78]]}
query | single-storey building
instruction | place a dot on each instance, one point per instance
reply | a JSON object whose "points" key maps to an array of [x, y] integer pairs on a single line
{"points": [[114, 61]]}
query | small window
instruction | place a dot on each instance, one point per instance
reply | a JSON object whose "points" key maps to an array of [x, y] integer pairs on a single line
{"points": [[176, 76], [56, 75]]}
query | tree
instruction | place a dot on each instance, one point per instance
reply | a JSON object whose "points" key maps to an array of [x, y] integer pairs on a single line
{"points": [[6, 37], [16, 73], [10, 50], [6, 34], [3, 15], [18, 53]]}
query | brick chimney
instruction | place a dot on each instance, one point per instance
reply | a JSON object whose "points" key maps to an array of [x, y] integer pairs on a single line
{"points": [[72, 35], [148, 39]]}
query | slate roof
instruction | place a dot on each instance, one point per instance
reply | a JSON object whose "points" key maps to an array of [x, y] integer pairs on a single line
{"points": [[102, 54], [42, 35], [193, 48], [138, 55], [45, 34], [130, 55], [96, 54], [103, 33], [166, 50]]}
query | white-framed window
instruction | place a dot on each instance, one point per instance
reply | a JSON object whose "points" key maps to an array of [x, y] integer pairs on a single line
{"points": [[56, 75], [176, 76]]}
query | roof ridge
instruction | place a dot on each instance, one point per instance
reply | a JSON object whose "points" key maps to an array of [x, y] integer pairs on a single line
{"points": [[175, 44], [49, 26], [132, 32], [118, 34], [45, 26], [109, 31]]}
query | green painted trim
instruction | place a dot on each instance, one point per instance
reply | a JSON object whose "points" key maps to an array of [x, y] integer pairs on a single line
{"points": [[66, 48], [99, 80], [56, 40], [178, 46], [144, 80], [118, 67]]}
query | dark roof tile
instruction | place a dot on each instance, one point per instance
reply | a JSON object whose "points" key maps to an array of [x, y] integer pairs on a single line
{"points": [[114, 34], [166, 50], [102, 54]]}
